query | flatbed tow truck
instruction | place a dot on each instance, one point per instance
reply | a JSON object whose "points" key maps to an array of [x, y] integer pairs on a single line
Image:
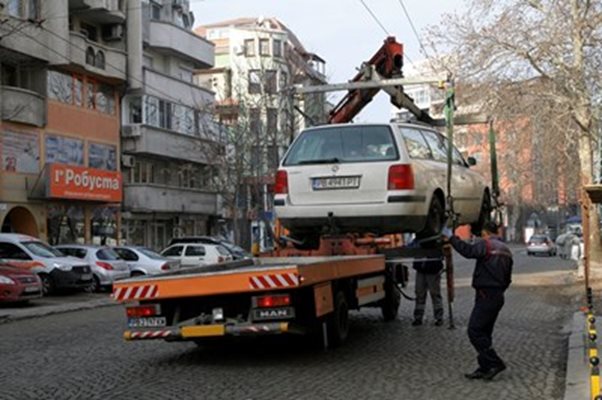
{"points": [[289, 290]]}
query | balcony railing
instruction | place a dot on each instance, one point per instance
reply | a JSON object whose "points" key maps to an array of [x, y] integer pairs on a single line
{"points": [[179, 42], [97, 58], [22, 105]]}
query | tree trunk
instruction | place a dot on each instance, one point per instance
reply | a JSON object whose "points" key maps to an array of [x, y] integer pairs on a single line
{"points": [[585, 164]]}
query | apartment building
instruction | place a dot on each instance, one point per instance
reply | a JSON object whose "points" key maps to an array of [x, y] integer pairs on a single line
{"points": [[256, 62], [171, 148], [62, 69]]}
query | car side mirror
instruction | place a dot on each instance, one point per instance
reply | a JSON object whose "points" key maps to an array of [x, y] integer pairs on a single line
{"points": [[471, 161]]}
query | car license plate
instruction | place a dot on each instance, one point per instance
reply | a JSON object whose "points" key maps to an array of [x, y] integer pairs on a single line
{"points": [[262, 314], [30, 289], [336, 182], [86, 277], [150, 322]]}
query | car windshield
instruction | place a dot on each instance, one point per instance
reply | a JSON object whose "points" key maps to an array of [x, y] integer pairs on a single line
{"points": [[107, 254], [150, 254], [343, 145], [41, 249], [222, 250]]}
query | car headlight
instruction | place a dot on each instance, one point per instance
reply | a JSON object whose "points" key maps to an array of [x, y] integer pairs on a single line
{"points": [[5, 280], [62, 267]]}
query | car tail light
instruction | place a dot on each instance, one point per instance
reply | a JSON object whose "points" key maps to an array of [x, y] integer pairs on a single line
{"points": [[104, 265], [273, 301], [281, 185], [221, 259], [401, 176], [142, 311], [165, 267]]}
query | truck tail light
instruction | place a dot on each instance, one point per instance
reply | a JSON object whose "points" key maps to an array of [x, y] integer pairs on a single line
{"points": [[104, 265], [401, 176], [165, 267], [281, 184], [280, 300], [142, 311]]}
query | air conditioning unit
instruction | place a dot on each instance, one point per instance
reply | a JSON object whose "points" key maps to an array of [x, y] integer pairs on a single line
{"points": [[112, 32], [127, 161], [131, 131]]}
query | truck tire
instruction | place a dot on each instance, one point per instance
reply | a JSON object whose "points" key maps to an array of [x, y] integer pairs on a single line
{"points": [[338, 321], [390, 304]]}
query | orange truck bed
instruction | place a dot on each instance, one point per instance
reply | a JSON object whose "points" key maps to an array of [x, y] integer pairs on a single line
{"points": [[258, 296]]}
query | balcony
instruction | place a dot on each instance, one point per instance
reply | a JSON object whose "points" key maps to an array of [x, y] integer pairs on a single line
{"points": [[97, 58], [169, 88], [101, 11], [155, 198], [145, 139], [172, 40], [23, 106]]}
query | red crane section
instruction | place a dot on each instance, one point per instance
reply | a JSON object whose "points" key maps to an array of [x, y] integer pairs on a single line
{"points": [[387, 62]]}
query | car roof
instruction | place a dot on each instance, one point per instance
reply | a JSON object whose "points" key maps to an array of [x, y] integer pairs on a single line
{"points": [[17, 237], [81, 246], [398, 124]]}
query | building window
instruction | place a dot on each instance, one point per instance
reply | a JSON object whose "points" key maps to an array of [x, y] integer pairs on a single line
{"points": [[78, 91], [147, 61], [135, 110], [273, 157], [270, 81], [264, 47], [277, 48], [60, 87], [100, 60], [90, 98], [89, 31], [10, 75], [105, 99], [254, 81], [102, 156], [14, 8], [249, 48], [185, 74], [90, 56], [272, 121], [155, 10], [283, 80], [33, 11], [164, 114], [255, 121]]}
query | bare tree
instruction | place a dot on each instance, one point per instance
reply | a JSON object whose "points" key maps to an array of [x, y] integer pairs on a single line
{"points": [[499, 43]]}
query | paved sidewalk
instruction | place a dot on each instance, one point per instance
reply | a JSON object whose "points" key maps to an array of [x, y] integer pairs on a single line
{"points": [[577, 384], [54, 305]]}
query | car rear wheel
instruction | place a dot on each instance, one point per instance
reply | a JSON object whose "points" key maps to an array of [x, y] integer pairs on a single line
{"points": [[435, 219]]}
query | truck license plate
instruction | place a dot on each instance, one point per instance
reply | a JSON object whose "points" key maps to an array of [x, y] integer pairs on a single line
{"points": [[336, 182], [150, 322], [262, 314]]}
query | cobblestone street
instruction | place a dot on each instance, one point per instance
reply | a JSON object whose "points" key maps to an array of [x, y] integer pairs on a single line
{"points": [[81, 355]]}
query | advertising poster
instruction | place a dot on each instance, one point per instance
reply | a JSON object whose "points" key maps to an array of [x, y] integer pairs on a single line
{"points": [[20, 152], [102, 156], [64, 150]]}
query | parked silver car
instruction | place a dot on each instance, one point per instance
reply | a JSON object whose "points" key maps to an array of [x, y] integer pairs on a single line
{"points": [[143, 261], [541, 244], [107, 266]]}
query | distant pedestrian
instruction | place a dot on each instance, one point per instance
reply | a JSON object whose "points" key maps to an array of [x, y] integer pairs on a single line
{"points": [[491, 277], [428, 279]]}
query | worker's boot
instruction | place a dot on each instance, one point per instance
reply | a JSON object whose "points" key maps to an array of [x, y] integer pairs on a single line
{"points": [[476, 374]]}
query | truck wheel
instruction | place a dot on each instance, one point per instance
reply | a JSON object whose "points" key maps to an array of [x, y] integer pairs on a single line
{"points": [[390, 304], [47, 284], [338, 321]]}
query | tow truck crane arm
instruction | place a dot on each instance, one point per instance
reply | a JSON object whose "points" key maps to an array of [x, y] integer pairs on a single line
{"points": [[386, 63]]}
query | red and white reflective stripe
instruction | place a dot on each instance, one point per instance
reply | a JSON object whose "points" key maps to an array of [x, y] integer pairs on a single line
{"points": [[274, 281], [150, 334], [136, 292]]}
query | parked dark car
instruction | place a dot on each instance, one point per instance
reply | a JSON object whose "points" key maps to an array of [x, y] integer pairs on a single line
{"points": [[238, 253], [18, 284]]}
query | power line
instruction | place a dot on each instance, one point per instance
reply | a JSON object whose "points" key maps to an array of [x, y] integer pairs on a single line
{"points": [[405, 10], [375, 17]]}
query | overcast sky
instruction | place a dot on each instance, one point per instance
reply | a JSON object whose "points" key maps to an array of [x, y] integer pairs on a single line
{"points": [[341, 31]]}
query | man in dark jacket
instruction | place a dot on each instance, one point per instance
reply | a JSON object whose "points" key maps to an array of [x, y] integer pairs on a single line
{"points": [[490, 279], [428, 279]]}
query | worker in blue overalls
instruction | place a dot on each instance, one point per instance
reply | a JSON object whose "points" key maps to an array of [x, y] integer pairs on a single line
{"points": [[428, 280]]}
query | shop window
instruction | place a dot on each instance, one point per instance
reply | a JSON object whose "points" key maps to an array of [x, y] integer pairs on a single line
{"points": [[65, 224], [103, 226], [264, 47], [64, 150], [102, 156]]}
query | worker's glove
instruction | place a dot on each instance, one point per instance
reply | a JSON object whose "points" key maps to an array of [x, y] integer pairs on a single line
{"points": [[447, 233]]}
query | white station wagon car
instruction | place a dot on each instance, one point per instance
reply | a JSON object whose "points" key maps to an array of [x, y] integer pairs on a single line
{"points": [[374, 178]]}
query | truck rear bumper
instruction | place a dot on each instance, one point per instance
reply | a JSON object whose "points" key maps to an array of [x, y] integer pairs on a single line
{"points": [[201, 331]]}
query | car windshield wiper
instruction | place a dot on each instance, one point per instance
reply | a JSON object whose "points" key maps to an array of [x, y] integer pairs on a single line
{"points": [[333, 160]]}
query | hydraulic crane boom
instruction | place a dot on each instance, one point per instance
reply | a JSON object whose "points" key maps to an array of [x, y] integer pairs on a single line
{"points": [[387, 63]]}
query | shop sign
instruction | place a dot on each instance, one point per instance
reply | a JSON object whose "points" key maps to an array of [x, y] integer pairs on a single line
{"points": [[82, 183]]}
